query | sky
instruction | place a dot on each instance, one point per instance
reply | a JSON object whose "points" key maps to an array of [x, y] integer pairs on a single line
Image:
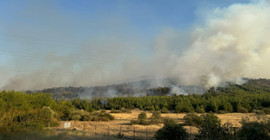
{"points": [[47, 43]]}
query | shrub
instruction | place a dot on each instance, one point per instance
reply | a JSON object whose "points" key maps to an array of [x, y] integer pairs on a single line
{"points": [[142, 116], [184, 107], [156, 115], [211, 128], [221, 111], [259, 112], [200, 109], [123, 110], [142, 119], [242, 110], [228, 107], [266, 110], [164, 110], [193, 119], [15, 121], [46, 115], [75, 115], [128, 111], [254, 131], [102, 117], [211, 107], [150, 108], [86, 117], [171, 131], [115, 111], [155, 118]]}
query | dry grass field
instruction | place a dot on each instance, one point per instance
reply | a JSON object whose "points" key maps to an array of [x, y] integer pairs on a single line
{"points": [[122, 124]]}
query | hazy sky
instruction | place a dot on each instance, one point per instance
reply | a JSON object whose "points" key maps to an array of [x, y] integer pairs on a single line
{"points": [[97, 38]]}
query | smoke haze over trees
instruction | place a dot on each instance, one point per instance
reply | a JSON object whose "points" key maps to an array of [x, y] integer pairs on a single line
{"points": [[225, 44]]}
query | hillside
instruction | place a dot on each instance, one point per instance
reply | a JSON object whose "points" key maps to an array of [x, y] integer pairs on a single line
{"points": [[147, 88], [131, 89]]}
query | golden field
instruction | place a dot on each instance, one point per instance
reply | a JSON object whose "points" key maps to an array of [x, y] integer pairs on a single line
{"points": [[122, 124]]}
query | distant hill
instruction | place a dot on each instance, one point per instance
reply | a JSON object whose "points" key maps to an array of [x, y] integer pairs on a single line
{"points": [[145, 88], [259, 82], [138, 88]]}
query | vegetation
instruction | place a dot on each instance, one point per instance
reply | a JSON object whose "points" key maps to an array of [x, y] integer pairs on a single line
{"points": [[24, 113], [211, 128], [31, 112], [193, 119], [122, 110], [234, 98], [143, 120], [171, 131], [255, 130]]}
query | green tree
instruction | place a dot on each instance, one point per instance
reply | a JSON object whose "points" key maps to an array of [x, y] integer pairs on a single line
{"points": [[171, 131]]}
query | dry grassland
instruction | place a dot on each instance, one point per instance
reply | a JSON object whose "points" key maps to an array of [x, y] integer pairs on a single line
{"points": [[122, 124]]}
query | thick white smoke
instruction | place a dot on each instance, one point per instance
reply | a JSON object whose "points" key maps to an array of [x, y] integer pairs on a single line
{"points": [[232, 43]]}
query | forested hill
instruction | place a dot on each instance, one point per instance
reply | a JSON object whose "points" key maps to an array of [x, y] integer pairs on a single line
{"points": [[146, 88]]}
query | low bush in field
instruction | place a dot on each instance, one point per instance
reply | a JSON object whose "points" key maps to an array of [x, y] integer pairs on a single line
{"points": [[200, 109], [211, 128], [258, 112], [156, 118], [100, 116], [82, 115], [254, 130], [164, 110], [122, 110], [193, 119], [143, 120], [35, 120], [242, 110], [171, 131], [266, 110]]}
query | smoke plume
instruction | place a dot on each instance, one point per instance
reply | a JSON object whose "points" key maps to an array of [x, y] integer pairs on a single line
{"points": [[231, 43]]}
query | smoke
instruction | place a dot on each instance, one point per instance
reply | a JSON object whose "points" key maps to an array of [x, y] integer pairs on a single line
{"points": [[231, 43]]}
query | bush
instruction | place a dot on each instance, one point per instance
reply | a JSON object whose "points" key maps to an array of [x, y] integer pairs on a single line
{"points": [[211, 128], [200, 109], [123, 110], [242, 110], [254, 131], [99, 116], [47, 115], [142, 116], [184, 107], [266, 110], [76, 115], [211, 107], [259, 112], [155, 118], [228, 107], [15, 121], [86, 116], [193, 119], [164, 110], [156, 115], [221, 111], [142, 119], [171, 131]]}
